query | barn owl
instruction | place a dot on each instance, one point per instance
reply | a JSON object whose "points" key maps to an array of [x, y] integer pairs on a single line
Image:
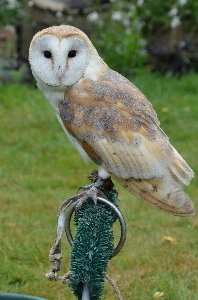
{"points": [[108, 120]]}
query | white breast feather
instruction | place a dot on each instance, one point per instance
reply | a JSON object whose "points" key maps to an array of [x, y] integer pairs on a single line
{"points": [[54, 97]]}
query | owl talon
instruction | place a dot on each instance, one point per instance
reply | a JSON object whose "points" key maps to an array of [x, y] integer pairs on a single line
{"points": [[90, 192], [79, 205], [85, 188]]}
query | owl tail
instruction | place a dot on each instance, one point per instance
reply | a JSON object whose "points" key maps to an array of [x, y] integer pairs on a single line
{"points": [[165, 193]]}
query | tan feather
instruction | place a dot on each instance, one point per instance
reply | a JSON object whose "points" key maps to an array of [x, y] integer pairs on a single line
{"points": [[118, 128], [165, 194]]}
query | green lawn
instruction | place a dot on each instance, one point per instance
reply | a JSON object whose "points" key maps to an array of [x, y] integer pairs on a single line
{"points": [[39, 168]]}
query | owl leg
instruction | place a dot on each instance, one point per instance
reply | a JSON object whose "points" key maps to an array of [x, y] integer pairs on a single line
{"points": [[103, 184], [99, 186], [99, 182]]}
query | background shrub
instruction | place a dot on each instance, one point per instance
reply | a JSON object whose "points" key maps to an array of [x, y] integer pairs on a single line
{"points": [[122, 33]]}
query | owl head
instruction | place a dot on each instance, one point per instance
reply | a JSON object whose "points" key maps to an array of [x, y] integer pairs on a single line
{"points": [[59, 56]]}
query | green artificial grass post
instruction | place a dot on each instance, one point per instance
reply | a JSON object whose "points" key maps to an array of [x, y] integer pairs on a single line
{"points": [[92, 247]]}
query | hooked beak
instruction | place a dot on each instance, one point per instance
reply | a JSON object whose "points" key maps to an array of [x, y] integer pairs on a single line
{"points": [[60, 73]]}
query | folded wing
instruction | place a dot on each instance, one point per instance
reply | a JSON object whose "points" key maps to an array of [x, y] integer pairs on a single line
{"points": [[118, 128]]}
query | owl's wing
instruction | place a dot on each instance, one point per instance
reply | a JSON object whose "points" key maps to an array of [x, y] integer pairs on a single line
{"points": [[118, 128]]}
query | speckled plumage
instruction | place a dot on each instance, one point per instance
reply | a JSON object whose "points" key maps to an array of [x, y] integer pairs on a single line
{"points": [[112, 123]]}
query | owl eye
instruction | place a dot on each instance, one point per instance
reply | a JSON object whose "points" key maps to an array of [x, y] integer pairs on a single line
{"points": [[72, 53], [47, 54]]}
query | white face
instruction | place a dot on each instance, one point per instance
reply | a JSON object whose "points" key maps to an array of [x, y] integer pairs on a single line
{"points": [[58, 62]]}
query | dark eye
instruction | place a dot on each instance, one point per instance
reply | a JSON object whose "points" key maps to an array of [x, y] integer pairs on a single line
{"points": [[47, 54], [72, 53]]}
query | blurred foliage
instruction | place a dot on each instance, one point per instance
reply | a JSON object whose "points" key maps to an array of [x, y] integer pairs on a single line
{"points": [[178, 60], [118, 37], [121, 29], [168, 14], [122, 32], [9, 11]]}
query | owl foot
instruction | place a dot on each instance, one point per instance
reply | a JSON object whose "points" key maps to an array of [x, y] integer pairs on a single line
{"points": [[89, 193]]}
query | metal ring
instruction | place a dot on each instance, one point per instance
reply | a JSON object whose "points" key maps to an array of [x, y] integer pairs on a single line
{"points": [[120, 218]]}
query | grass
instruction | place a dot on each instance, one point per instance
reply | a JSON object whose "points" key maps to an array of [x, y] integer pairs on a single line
{"points": [[39, 169]]}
